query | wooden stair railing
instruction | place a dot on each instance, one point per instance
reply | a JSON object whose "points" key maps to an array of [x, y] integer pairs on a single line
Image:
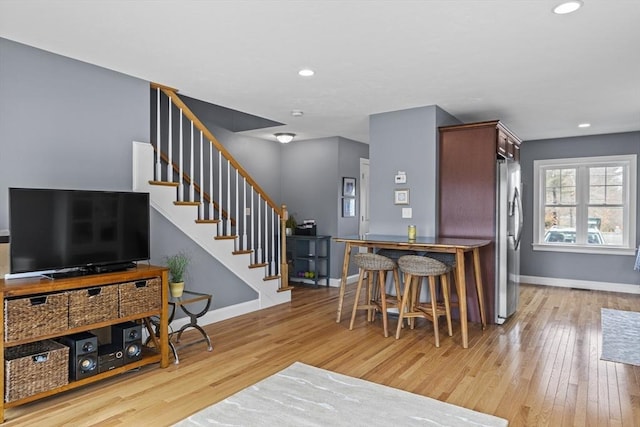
{"points": [[208, 176]]}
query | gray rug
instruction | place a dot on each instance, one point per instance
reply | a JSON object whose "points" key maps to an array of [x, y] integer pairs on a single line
{"points": [[302, 395], [621, 336]]}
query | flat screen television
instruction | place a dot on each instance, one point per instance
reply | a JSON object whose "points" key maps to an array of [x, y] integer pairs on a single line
{"points": [[80, 231]]}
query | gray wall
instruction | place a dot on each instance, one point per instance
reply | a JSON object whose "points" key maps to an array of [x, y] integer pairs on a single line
{"points": [[588, 267], [65, 123], [406, 141], [68, 124], [312, 172], [205, 273]]}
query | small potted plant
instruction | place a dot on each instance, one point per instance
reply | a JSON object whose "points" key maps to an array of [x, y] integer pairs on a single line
{"points": [[177, 265], [290, 224]]}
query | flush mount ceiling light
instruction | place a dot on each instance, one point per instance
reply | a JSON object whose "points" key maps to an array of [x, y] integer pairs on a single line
{"points": [[297, 113], [584, 125], [284, 137], [306, 72], [567, 7]]}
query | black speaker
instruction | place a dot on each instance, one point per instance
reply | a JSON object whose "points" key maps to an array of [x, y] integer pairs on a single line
{"points": [[128, 337], [83, 354]]}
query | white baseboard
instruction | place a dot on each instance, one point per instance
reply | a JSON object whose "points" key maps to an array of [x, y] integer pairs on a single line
{"points": [[335, 283], [219, 314], [582, 284]]}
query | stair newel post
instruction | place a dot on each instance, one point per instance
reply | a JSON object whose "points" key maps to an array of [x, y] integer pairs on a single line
{"points": [[284, 267], [158, 127], [180, 161], [191, 170], [170, 145]]}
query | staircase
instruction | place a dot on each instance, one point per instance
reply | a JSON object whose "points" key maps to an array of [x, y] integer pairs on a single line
{"points": [[209, 196]]}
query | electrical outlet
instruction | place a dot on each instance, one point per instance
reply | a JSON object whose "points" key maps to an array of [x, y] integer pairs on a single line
{"points": [[247, 211], [407, 213]]}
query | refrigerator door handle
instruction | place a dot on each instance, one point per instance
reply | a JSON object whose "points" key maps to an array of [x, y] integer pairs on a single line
{"points": [[517, 201]]}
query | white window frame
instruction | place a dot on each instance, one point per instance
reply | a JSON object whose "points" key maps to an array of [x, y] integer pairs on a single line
{"points": [[540, 166]]}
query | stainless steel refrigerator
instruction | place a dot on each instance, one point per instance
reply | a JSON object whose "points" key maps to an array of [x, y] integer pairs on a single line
{"points": [[509, 222]]}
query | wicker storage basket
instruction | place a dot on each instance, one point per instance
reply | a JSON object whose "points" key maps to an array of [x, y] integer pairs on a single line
{"points": [[34, 368], [32, 317], [92, 305], [140, 297]]}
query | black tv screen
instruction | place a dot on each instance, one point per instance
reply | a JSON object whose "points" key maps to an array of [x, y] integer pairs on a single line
{"points": [[53, 229]]}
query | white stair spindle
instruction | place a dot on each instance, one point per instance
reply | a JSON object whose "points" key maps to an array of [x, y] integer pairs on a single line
{"points": [[259, 256], [220, 223], [271, 236], [211, 192], [244, 214], [180, 161], [170, 146], [158, 121], [278, 252], [253, 237], [201, 207], [191, 170], [228, 204], [237, 215]]}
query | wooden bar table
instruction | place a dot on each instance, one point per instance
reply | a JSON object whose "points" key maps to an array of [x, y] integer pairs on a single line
{"points": [[455, 246]]}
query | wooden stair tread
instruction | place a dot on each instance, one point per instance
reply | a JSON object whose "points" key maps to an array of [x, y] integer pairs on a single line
{"points": [[277, 276], [242, 252], [178, 203], [225, 237], [164, 183], [207, 221], [258, 265]]}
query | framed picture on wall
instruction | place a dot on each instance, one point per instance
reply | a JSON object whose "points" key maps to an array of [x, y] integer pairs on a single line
{"points": [[401, 196], [349, 187], [348, 207]]}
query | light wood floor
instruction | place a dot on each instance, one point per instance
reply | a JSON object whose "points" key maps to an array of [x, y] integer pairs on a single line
{"points": [[541, 368]]}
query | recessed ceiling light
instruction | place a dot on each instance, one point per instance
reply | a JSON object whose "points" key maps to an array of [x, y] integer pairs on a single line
{"points": [[584, 125], [297, 113], [306, 72], [567, 7]]}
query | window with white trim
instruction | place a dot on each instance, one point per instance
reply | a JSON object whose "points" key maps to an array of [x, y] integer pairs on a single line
{"points": [[585, 204]]}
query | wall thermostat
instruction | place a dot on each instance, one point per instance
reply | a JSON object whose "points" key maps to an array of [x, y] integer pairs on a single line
{"points": [[401, 177]]}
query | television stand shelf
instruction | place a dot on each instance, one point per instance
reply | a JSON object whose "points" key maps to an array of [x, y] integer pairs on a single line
{"points": [[130, 287]]}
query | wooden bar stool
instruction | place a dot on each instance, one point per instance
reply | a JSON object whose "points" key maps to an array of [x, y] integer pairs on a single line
{"points": [[369, 264], [415, 268]]}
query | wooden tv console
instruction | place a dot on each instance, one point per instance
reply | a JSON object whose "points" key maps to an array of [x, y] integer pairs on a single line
{"points": [[34, 288]]}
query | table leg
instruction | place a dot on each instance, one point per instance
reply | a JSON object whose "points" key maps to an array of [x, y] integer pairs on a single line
{"points": [[461, 284], [479, 289], [343, 280]]}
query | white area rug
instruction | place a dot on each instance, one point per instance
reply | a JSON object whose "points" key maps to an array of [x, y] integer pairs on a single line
{"points": [[621, 336], [302, 395]]}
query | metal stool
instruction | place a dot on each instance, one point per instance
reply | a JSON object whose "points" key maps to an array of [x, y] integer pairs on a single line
{"points": [[370, 263], [415, 268]]}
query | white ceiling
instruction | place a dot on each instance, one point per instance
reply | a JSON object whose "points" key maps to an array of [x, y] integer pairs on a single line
{"points": [[541, 74]]}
